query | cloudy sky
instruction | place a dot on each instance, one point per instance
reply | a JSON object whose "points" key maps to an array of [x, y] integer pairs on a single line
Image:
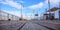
{"points": [[14, 6]]}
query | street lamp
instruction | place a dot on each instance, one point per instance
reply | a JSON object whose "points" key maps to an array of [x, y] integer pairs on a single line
{"points": [[21, 11], [38, 14], [59, 9], [59, 4], [33, 13], [0, 14], [49, 8]]}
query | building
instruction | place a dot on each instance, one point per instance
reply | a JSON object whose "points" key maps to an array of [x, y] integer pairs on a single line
{"points": [[45, 16], [55, 12], [6, 16]]}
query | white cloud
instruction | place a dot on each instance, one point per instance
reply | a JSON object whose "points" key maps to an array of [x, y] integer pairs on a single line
{"points": [[42, 4], [2, 1], [22, 1], [12, 3], [53, 1], [39, 5]]}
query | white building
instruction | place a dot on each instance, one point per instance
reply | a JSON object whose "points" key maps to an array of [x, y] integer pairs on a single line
{"points": [[6, 16], [55, 12]]}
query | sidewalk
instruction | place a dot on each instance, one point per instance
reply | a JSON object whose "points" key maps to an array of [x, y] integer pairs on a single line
{"points": [[12, 25], [55, 24]]}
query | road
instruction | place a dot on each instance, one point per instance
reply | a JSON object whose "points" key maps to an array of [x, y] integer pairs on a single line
{"points": [[29, 25], [33, 26]]}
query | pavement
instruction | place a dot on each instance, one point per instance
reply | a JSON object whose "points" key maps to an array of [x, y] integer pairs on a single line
{"points": [[33, 26], [11, 25], [55, 24], [30, 25]]}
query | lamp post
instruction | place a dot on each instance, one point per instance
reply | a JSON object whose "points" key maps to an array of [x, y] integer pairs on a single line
{"points": [[0, 14], [59, 11], [59, 4], [38, 14], [33, 13], [49, 8], [21, 11]]}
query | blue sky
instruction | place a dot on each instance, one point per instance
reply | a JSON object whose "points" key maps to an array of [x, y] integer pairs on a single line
{"points": [[14, 6]]}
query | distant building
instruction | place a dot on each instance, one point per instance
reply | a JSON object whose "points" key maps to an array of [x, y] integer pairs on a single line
{"points": [[45, 16]]}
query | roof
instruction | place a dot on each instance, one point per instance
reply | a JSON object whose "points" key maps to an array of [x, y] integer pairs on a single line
{"points": [[53, 9]]}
